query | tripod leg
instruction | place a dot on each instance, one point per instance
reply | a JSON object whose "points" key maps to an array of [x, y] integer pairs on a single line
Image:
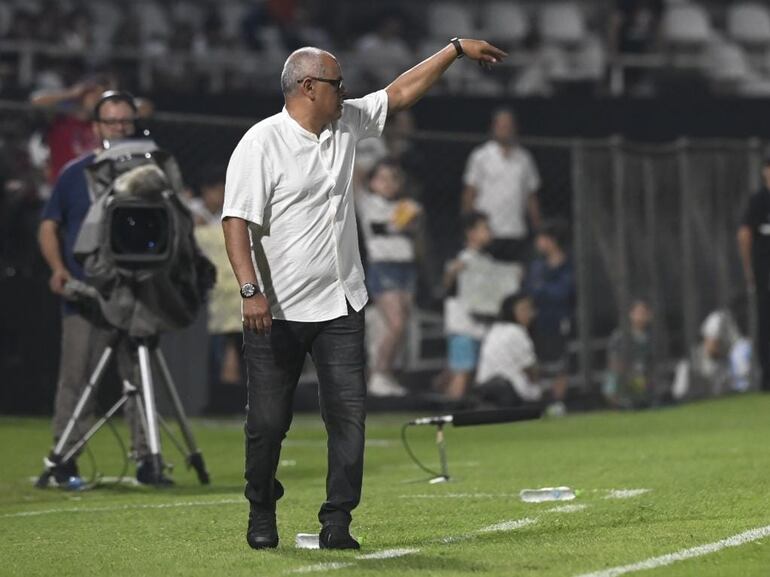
{"points": [[93, 382], [96, 426], [148, 393], [56, 458], [195, 458]]}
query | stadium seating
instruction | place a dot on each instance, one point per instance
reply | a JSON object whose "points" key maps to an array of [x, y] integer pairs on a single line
{"points": [[562, 23], [504, 22], [448, 19], [749, 23]]}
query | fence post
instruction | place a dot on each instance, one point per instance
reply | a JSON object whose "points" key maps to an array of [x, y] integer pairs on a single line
{"points": [[659, 340], [621, 248], [754, 153], [689, 290], [581, 214]]}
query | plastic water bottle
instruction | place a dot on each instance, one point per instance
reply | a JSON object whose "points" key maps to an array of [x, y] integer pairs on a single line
{"points": [[307, 541], [547, 494]]}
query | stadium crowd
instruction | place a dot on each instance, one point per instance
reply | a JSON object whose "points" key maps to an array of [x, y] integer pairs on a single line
{"points": [[626, 47]]}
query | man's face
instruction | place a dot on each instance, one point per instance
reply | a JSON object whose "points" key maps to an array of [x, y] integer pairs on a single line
{"points": [[504, 128], [328, 96], [116, 120]]}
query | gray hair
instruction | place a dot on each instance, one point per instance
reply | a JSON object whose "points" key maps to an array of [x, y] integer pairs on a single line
{"points": [[301, 63]]}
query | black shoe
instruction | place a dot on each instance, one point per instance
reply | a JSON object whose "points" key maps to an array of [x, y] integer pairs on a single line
{"points": [[147, 475], [337, 537], [65, 476], [262, 532]]}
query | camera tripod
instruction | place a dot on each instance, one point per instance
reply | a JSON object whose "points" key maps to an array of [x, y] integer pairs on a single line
{"points": [[146, 349]]}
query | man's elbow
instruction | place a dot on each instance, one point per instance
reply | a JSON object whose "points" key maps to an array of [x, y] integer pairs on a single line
{"points": [[397, 100]]}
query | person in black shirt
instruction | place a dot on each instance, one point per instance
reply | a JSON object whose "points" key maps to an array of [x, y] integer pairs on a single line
{"points": [[754, 247]]}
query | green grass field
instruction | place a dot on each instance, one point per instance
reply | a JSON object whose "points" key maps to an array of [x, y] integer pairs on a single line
{"points": [[706, 469]]}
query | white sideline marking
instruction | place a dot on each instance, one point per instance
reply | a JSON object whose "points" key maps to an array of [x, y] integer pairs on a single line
{"points": [[626, 493], [496, 528], [461, 496], [663, 560], [121, 508], [388, 554], [321, 567], [567, 509], [394, 553], [322, 444]]}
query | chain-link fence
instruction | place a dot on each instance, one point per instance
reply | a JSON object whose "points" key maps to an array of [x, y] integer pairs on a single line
{"points": [[648, 221]]}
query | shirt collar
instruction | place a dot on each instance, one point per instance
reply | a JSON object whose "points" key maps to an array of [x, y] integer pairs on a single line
{"points": [[297, 127]]}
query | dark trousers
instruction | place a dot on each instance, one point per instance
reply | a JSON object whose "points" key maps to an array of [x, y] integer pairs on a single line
{"points": [[763, 326], [273, 365], [510, 249]]}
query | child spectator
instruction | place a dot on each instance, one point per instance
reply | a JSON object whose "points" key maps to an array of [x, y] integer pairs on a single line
{"points": [[508, 373], [719, 364], [629, 385], [550, 281], [224, 302], [464, 331], [390, 225]]}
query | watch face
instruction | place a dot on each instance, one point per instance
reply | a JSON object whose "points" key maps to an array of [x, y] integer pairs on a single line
{"points": [[248, 290]]}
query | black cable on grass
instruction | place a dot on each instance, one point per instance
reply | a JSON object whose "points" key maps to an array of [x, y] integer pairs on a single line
{"points": [[95, 480], [413, 456]]}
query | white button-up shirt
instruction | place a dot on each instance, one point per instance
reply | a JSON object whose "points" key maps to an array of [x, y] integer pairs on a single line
{"points": [[503, 186], [296, 191]]}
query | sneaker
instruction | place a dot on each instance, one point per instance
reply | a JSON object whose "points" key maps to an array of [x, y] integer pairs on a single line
{"points": [[337, 537], [146, 475], [262, 532], [67, 476], [382, 385]]}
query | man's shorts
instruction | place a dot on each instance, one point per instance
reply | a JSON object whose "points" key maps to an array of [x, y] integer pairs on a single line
{"points": [[463, 353]]}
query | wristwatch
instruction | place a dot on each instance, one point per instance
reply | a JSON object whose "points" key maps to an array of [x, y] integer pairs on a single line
{"points": [[458, 46], [248, 290]]}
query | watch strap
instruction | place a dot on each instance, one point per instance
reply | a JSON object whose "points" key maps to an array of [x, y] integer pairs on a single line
{"points": [[458, 46]]}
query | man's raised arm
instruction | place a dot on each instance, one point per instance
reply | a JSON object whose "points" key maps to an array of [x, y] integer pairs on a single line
{"points": [[412, 85]]}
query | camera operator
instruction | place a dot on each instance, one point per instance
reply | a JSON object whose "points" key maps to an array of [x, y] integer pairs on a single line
{"points": [[83, 342]]}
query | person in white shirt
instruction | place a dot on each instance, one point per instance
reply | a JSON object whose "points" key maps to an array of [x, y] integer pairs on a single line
{"points": [[390, 224], [507, 373], [290, 232], [501, 180], [464, 330]]}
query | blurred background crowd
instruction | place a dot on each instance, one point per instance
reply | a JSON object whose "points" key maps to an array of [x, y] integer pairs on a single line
{"points": [[513, 252]]}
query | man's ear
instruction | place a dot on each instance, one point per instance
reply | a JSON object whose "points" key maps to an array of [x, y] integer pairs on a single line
{"points": [[307, 88]]}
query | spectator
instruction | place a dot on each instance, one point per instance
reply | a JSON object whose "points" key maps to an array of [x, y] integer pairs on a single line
{"points": [[629, 379], [70, 134], [719, 364], [464, 330], [550, 281], [224, 303], [384, 52], [508, 373], [634, 29], [754, 247], [390, 225], [501, 180]]}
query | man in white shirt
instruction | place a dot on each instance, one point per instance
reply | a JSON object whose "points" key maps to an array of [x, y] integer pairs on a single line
{"points": [[288, 196], [501, 180]]}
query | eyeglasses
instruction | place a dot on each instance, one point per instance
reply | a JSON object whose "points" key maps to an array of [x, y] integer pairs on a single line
{"points": [[117, 121], [335, 82]]}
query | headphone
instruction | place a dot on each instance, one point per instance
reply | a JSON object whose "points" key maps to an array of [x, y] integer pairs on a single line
{"points": [[115, 96]]}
